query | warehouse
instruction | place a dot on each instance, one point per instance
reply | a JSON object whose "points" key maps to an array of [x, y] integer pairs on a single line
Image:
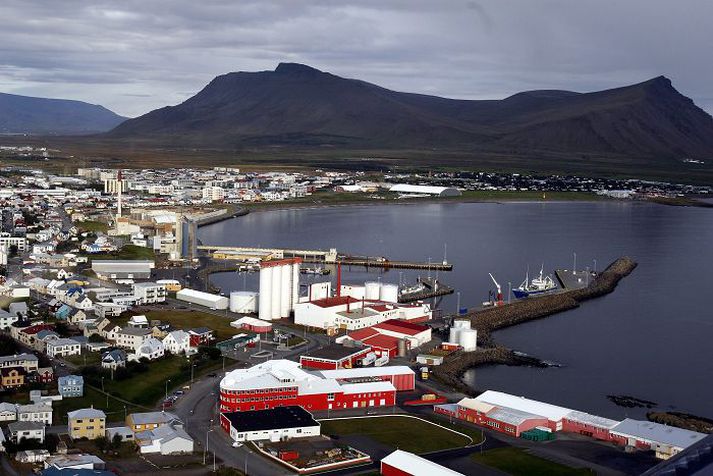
{"points": [[665, 440], [400, 376], [424, 190], [212, 301], [333, 357], [123, 269], [252, 324], [403, 463], [274, 424], [278, 383]]}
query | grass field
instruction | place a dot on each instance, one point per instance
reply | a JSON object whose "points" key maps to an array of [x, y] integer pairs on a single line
{"points": [[147, 388], [114, 412], [127, 252], [406, 433], [188, 319], [517, 462], [86, 358], [92, 226]]}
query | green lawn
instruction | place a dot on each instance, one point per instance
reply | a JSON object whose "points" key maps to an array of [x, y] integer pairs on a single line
{"points": [[92, 225], [518, 462], [474, 433], [114, 412], [147, 388], [86, 358], [188, 319], [127, 252], [406, 433]]}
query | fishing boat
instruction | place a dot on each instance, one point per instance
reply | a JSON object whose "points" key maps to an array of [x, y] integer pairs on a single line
{"points": [[318, 271], [539, 285]]}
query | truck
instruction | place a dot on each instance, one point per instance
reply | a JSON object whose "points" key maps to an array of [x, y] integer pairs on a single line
{"points": [[424, 373], [383, 360], [368, 359]]}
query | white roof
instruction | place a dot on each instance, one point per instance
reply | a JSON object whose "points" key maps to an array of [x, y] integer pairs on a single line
{"points": [[186, 292], [655, 432], [407, 188], [138, 319], [273, 373], [367, 372], [249, 321], [417, 466], [505, 400], [364, 387], [593, 420], [86, 413], [475, 404]]}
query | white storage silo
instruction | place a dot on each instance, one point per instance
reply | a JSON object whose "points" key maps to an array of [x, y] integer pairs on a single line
{"points": [[357, 292], [265, 301], [276, 296], [468, 339], [461, 323], [243, 302], [389, 292], [286, 290], [453, 335], [319, 290], [295, 283], [372, 290]]}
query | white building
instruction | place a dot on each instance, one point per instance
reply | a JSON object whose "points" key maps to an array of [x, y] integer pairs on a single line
{"points": [[9, 241], [213, 194], [212, 301], [177, 341], [27, 430], [274, 424], [35, 413], [151, 349], [405, 463], [166, 439], [63, 347], [132, 337], [8, 412], [149, 293]]}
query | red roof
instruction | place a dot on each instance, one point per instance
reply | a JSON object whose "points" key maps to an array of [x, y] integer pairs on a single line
{"points": [[334, 301], [380, 307], [382, 341], [362, 334], [404, 327], [37, 328], [280, 262]]}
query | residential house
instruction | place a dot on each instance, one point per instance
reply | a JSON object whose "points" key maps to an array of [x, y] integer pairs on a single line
{"points": [[44, 336], [63, 312], [149, 420], [132, 337], [29, 362], [27, 335], [88, 423], [201, 336], [11, 377], [151, 349], [32, 456], [149, 293], [140, 322], [114, 359], [63, 348], [168, 439], [70, 386], [26, 430], [35, 412], [82, 464], [109, 309], [160, 330], [124, 433], [7, 319], [76, 316], [19, 307], [43, 375], [178, 342], [8, 412]]}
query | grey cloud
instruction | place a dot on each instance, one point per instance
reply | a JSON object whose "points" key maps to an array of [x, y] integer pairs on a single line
{"points": [[133, 56]]}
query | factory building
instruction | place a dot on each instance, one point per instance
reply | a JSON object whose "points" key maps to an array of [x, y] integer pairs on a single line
{"points": [[212, 301], [403, 463], [252, 324], [333, 357], [274, 424], [517, 416], [123, 269], [281, 383], [279, 288], [386, 337], [346, 312]]}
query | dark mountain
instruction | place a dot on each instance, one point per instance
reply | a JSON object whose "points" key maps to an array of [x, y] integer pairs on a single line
{"points": [[299, 105], [30, 115]]}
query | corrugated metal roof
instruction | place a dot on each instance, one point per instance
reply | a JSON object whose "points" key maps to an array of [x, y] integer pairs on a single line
{"points": [[417, 466], [368, 372], [505, 400], [593, 420], [655, 432]]}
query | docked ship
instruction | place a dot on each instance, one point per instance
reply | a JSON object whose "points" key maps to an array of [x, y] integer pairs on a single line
{"points": [[538, 286]]}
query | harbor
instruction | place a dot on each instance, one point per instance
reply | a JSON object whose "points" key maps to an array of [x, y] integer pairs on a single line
{"points": [[425, 288]]}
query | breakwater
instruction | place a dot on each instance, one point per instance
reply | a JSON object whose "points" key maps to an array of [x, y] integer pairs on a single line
{"points": [[220, 215], [491, 319]]}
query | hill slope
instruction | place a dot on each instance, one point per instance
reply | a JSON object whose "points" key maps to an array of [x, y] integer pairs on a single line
{"points": [[299, 105], [31, 115]]}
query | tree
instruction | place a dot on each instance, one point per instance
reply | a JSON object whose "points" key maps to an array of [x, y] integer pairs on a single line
{"points": [[116, 441], [95, 338], [212, 353], [102, 443]]}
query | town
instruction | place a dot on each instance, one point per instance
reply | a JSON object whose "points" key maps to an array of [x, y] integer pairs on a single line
{"points": [[118, 355]]}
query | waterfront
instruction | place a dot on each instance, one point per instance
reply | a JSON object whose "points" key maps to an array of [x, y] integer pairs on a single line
{"points": [[649, 339]]}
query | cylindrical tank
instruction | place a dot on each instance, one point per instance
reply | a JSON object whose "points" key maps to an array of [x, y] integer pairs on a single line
{"points": [[372, 290], [265, 301], [389, 292], [461, 323], [286, 290], [468, 339], [243, 302], [402, 347], [276, 297], [453, 335], [295, 285]]}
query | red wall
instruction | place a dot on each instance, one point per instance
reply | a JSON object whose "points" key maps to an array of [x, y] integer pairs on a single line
{"points": [[318, 364], [388, 470], [587, 430], [502, 427]]}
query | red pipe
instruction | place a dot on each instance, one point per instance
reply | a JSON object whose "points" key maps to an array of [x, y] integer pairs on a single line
{"points": [[339, 279]]}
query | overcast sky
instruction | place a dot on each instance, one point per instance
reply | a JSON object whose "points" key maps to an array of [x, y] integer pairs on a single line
{"points": [[134, 56]]}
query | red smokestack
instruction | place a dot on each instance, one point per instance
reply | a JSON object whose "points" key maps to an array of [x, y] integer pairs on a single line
{"points": [[339, 279]]}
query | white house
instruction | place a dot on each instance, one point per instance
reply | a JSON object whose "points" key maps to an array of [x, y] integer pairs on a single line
{"points": [[26, 430], [35, 413], [166, 440], [63, 347], [177, 342], [151, 348], [132, 337], [8, 412], [149, 293], [140, 322]]}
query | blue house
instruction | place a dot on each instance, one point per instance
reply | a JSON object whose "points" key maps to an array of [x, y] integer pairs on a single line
{"points": [[71, 386], [63, 312]]}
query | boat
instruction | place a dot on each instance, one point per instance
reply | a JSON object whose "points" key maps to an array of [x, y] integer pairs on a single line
{"points": [[317, 271], [538, 286]]}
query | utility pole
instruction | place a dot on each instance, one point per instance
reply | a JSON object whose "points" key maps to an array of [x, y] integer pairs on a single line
{"points": [[167, 382]]}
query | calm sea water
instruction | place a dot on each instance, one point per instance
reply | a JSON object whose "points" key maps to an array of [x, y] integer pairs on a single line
{"points": [[651, 338]]}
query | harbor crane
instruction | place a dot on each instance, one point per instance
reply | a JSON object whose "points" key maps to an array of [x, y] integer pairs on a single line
{"points": [[499, 297]]}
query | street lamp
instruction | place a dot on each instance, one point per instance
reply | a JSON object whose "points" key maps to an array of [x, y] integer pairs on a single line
{"points": [[167, 382], [205, 448]]}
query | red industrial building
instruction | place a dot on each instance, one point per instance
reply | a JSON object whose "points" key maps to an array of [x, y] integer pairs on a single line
{"points": [[334, 357], [384, 338], [403, 463], [277, 383]]}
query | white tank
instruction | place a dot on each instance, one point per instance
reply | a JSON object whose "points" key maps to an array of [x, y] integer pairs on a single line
{"points": [[453, 335], [389, 292], [319, 290], [468, 339], [372, 290], [357, 292], [243, 302], [276, 296], [461, 323], [265, 301], [286, 290], [295, 285]]}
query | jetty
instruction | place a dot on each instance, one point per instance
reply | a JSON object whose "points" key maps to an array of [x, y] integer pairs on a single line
{"points": [[429, 288], [487, 320]]}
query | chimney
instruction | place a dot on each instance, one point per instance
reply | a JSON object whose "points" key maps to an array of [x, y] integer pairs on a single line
{"points": [[339, 279]]}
